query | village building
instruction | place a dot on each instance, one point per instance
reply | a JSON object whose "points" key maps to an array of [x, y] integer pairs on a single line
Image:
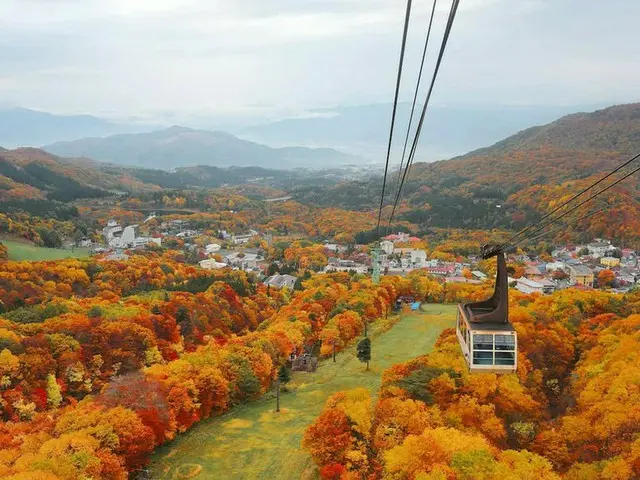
{"points": [[581, 275], [240, 239], [610, 262], [340, 265], [117, 257], [554, 266], [127, 237], [599, 249], [211, 248], [533, 273], [281, 281], [244, 260], [478, 275], [386, 246], [628, 253], [418, 258], [211, 264], [462, 280], [85, 242], [445, 270], [526, 285], [401, 237]]}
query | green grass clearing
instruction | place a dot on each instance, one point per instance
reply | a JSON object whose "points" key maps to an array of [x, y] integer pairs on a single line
{"points": [[254, 442], [27, 251]]}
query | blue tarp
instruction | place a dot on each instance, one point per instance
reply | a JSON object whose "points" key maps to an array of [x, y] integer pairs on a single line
{"points": [[415, 306]]}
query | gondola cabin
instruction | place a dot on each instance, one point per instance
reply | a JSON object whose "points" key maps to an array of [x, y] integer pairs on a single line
{"points": [[487, 348], [488, 341]]}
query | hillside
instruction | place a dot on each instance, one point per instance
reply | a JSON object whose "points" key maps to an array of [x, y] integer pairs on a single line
{"points": [[573, 147], [20, 127], [41, 183], [516, 180], [179, 146], [615, 128]]}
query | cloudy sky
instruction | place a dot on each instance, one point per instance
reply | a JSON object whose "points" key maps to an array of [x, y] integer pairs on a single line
{"points": [[153, 58]]}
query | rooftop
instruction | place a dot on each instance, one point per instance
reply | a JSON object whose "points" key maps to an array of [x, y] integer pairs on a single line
{"points": [[581, 270], [491, 327]]}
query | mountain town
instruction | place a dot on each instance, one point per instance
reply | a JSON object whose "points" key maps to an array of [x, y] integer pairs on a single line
{"points": [[321, 240]]}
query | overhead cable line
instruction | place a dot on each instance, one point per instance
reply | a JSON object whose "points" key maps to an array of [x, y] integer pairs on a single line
{"points": [[395, 106], [543, 234], [415, 94], [582, 192], [445, 38], [554, 220]]}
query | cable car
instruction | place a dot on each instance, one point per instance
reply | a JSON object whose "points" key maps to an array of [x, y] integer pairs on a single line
{"points": [[488, 341]]}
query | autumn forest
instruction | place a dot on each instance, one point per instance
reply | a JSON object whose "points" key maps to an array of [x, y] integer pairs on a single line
{"points": [[187, 297]]}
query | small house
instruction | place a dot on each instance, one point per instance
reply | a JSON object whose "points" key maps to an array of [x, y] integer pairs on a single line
{"points": [[581, 275], [304, 363]]}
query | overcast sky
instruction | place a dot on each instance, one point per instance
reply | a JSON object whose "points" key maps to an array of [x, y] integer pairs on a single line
{"points": [[284, 57]]}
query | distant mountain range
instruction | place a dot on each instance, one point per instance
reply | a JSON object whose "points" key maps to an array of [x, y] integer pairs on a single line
{"points": [[21, 127], [180, 147], [360, 131], [363, 130]]}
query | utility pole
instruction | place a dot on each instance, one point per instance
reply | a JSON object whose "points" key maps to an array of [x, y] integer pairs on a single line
{"points": [[375, 276], [334, 351], [278, 394]]}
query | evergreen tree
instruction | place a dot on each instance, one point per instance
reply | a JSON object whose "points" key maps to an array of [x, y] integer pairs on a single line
{"points": [[284, 377], [364, 351], [272, 270], [183, 320]]}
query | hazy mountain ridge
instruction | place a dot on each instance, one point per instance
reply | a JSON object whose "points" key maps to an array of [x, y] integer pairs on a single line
{"points": [[180, 146], [364, 129], [22, 127]]}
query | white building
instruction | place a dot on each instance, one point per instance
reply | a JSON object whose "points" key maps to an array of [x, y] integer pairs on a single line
{"points": [[386, 246], [600, 249], [211, 248], [112, 230], [127, 237], [531, 286], [85, 243], [554, 266], [240, 239], [418, 258], [280, 281], [339, 265], [243, 260], [187, 233], [211, 264], [477, 274], [117, 257]]}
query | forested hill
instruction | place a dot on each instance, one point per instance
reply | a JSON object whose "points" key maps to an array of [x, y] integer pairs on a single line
{"points": [[615, 128], [571, 148], [181, 147], [515, 180], [43, 184]]}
